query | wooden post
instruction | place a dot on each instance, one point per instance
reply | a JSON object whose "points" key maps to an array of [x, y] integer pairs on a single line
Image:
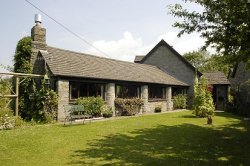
{"points": [[17, 94]]}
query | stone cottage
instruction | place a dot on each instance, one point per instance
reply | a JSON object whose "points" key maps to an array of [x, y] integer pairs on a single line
{"points": [[73, 74], [155, 77]]}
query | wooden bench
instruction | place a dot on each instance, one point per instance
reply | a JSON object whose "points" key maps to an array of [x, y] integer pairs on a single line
{"points": [[75, 112]]}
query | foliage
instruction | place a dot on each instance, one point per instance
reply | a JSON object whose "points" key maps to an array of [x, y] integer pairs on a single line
{"points": [[196, 58], [22, 56], [92, 105], [157, 109], [107, 113], [128, 107], [44, 105], [7, 120], [203, 102], [224, 24], [35, 102], [22, 65], [180, 101], [207, 63]]}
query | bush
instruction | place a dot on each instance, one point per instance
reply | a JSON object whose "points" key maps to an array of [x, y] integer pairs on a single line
{"points": [[92, 105], [157, 109], [107, 113], [128, 107], [8, 121], [203, 102], [44, 106], [180, 101]]}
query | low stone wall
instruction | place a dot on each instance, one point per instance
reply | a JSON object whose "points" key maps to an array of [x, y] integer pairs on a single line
{"points": [[157, 103]]}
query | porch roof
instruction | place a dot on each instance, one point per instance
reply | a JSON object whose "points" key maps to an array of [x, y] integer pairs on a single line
{"points": [[216, 78], [74, 64]]}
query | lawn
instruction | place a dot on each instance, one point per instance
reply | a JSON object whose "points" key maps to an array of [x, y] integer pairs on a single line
{"points": [[159, 139]]}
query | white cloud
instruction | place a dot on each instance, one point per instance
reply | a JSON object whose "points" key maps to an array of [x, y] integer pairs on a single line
{"points": [[123, 49], [128, 46], [189, 43]]}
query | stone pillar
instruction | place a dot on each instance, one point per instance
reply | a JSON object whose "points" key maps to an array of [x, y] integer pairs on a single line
{"points": [[63, 97], [169, 98], [110, 96], [144, 96]]}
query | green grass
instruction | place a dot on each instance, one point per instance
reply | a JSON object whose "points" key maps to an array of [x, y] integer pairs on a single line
{"points": [[160, 139]]}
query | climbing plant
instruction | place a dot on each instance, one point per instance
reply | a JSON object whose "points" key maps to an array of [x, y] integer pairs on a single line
{"points": [[35, 101], [27, 86]]}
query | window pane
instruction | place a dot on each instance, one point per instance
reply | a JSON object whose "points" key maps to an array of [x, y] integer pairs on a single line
{"points": [[127, 91], [82, 89], [157, 92], [74, 91]]}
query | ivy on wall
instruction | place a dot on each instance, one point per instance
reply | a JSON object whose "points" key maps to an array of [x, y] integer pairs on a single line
{"points": [[35, 101]]}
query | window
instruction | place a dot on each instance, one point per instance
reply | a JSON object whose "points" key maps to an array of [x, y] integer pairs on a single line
{"points": [[127, 91], [85, 90], [178, 90], [156, 92]]}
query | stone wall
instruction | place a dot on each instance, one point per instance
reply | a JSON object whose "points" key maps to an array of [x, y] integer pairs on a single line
{"points": [[63, 97], [153, 104]]}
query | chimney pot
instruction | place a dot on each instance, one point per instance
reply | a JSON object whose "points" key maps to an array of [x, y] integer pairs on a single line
{"points": [[38, 19]]}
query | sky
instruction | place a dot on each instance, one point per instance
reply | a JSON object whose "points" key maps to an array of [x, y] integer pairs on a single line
{"points": [[119, 28]]}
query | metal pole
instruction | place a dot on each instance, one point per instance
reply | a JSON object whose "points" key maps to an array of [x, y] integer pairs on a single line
{"points": [[17, 94]]}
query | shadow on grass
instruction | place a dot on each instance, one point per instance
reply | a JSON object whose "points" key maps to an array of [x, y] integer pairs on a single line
{"points": [[184, 144]]}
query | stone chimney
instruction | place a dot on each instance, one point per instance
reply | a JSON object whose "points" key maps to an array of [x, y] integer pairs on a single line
{"points": [[38, 36]]}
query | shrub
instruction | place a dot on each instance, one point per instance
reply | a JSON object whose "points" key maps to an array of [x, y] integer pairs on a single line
{"points": [[203, 102], [8, 121], [128, 107], [92, 105], [44, 105], [107, 113], [157, 109], [180, 101]]}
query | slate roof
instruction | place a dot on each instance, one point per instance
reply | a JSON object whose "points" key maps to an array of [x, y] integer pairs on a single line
{"points": [[74, 64], [216, 78]]}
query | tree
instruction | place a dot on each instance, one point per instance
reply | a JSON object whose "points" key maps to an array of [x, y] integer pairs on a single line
{"points": [[196, 58], [224, 24], [205, 62], [203, 102]]}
